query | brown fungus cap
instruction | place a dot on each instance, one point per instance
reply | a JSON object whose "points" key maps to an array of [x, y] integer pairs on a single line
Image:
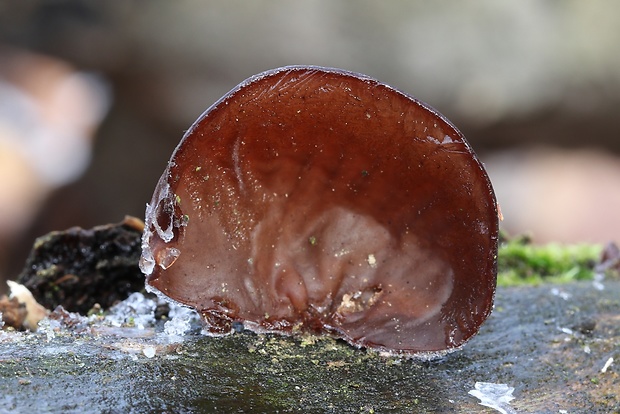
{"points": [[320, 200]]}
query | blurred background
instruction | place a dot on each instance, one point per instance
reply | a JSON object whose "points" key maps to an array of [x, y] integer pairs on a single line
{"points": [[95, 95]]}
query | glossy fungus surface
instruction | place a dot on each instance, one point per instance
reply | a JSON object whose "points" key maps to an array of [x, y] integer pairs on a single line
{"points": [[317, 200]]}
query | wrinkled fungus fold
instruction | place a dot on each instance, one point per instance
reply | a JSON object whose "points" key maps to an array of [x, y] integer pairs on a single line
{"points": [[317, 200]]}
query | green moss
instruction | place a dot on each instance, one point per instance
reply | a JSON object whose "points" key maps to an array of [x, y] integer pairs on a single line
{"points": [[523, 263]]}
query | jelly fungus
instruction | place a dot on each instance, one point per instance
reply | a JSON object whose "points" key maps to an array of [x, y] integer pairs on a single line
{"points": [[317, 200]]}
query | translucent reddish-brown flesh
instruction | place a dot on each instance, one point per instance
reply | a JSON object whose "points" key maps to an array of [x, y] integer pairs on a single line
{"points": [[312, 199]]}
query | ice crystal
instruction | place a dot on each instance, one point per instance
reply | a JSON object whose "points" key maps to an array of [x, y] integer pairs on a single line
{"points": [[496, 396]]}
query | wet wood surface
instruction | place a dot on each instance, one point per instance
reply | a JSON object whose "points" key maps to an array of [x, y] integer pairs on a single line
{"points": [[552, 343]]}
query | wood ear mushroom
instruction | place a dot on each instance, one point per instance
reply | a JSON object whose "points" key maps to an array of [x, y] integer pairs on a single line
{"points": [[319, 200]]}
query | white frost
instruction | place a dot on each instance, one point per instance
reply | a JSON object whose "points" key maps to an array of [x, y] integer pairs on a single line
{"points": [[136, 309], [181, 319], [607, 365], [149, 351], [49, 327], [496, 396], [598, 281], [557, 292]]}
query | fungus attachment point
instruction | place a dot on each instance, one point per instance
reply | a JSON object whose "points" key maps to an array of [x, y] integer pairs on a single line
{"points": [[314, 199]]}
